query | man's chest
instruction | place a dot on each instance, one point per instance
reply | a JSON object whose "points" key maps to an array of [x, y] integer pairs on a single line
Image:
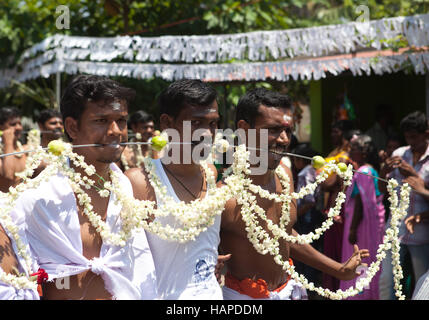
{"points": [[91, 238]]}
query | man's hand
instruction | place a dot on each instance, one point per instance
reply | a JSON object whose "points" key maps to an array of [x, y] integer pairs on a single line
{"points": [[8, 136], [220, 264], [410, 222], [338, 219], [348, 269], [416, 183], [391, 163], [406, 169]]}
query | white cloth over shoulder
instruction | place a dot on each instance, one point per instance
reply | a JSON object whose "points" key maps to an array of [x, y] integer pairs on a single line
{"points": [[7, 292], [53, 230], [292, 291]]}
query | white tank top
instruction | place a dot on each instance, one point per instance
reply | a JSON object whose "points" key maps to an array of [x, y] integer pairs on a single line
{"points": [[185, 270]]}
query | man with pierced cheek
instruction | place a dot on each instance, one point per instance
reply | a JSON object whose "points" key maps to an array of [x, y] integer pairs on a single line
{"points": [[251, 275], [183, 270], [82, 264]]}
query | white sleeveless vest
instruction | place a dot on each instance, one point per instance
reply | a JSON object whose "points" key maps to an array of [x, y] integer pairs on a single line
{"points": [[185, 270]]}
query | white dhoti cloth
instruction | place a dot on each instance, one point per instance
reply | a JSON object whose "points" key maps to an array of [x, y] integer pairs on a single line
{"points": [[292, 291], [7, 292], [53, 231]]}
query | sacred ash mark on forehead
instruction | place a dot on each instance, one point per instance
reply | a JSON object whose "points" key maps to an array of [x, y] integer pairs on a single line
{"points": [[115, 105]]}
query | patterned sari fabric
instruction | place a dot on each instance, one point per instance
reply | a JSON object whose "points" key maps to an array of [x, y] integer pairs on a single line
{"points": [[370, 230]]}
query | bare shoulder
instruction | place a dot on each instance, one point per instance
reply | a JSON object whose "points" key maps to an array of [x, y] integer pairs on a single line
{"points": [[140, 182], [135, 174]]}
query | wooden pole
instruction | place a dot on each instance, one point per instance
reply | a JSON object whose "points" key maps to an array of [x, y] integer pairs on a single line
{"points": [[58, 89]]}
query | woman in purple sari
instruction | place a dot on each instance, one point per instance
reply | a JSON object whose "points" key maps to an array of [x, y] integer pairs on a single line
{"points": [[364, 214]]}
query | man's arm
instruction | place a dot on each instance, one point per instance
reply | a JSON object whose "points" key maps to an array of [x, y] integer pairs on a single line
{"points": [[305, 253], [8, 260], [9, 163]]}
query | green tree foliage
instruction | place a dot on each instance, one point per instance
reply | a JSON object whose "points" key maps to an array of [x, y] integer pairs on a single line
{"points": [[24, 23]]}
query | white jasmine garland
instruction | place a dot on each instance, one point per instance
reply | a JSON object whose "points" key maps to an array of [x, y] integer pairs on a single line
{"points": [[286, 197], [124, 162], [8, 202], [33, 139], [264, 243], [198, 215]]}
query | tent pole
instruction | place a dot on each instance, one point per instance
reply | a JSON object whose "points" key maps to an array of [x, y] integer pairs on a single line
{"points": [[58, 89]]}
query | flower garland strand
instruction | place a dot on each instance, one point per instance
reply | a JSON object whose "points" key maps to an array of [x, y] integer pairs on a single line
{"points": [[264, 244]]}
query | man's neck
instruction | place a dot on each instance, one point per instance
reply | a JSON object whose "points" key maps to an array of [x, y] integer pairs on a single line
{"points": [[420, 150], [44, 142]]}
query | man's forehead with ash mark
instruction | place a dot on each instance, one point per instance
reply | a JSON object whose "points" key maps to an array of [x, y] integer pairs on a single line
{"points": [[116, 105]]}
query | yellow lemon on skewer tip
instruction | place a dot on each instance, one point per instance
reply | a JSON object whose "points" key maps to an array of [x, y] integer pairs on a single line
{"points": [[318, 162], [56, 147], [158, 142], [342, 166]]}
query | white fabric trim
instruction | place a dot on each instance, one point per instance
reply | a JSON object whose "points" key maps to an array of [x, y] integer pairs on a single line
{"points": [[204, 56], [253, 46], [256, 71]]}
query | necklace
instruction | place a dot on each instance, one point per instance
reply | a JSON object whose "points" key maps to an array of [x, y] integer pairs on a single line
{"points": [[189, 191]]}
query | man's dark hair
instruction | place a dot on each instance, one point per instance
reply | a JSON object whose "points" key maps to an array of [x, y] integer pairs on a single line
{"points": [[248, 105], [184, 93], [139, 117], [414, 121], [47, 114], [7, 113], [91, 88], [344, 125], [366, 146]]}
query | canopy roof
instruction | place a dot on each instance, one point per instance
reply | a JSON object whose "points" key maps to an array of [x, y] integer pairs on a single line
{"points": [[306, 53]]}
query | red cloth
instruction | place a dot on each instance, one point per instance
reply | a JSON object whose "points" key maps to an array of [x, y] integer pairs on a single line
{"points": [[256, 289], [42, 276]]}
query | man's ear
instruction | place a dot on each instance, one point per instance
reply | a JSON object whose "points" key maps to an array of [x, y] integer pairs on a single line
{"points": [[243, 124], [71, 126], [165, 121]]}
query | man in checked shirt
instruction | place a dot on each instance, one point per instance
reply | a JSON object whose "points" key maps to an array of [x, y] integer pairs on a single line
{"points": [[410, 164]]}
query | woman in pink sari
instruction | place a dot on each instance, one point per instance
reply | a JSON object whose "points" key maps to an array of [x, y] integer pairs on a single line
{"points": [[364, 214]]}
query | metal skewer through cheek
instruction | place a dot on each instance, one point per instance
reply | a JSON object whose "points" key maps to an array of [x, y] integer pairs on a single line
{"points": [[148, 143], [87, 145], [312, 160]]}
